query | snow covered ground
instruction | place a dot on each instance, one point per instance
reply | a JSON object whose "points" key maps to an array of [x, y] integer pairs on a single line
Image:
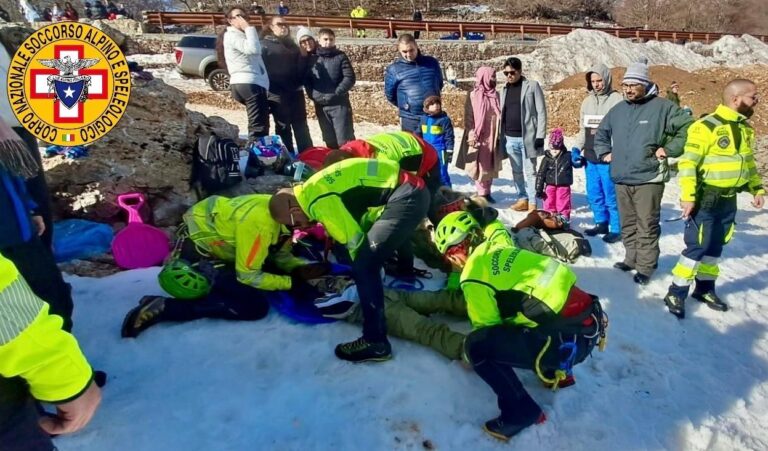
{"points": [[696, 384]]}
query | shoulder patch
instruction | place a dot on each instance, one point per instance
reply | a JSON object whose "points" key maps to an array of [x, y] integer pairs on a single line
{"points": [[724, 142]]}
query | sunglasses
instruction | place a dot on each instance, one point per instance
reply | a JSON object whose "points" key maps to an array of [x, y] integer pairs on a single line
{"points": [[509, 72]]}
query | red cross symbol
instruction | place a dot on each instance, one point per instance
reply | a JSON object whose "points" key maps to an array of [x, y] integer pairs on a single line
{"points": [[38, 80]]}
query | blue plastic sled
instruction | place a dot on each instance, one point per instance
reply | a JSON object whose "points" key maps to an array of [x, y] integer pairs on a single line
{"points": [[79, 238], [303, 311]]}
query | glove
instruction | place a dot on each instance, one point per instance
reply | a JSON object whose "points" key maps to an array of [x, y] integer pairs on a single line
{"points": [[311, 271], [539, 143], [541, 195], [576, 159]]}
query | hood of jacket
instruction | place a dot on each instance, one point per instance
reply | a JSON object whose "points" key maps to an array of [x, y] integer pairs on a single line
{"points": [[605, 73]]}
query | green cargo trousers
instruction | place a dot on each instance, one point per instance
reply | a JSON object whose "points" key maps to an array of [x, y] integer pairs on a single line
{"points": [[407, 314]]}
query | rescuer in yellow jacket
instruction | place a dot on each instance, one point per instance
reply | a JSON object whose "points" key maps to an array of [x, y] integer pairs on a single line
{"points": [[526, 312], [718, 163], [38, 358], [359, 13], [340, 197], [219, 272]]}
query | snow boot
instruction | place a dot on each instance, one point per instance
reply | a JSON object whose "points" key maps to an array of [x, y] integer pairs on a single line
{"points": [[144, 316], [711, 299], [600, 228], [623, 266], [361, 350], [502, 429], [488, 198], [641, 279], [611, 237]]}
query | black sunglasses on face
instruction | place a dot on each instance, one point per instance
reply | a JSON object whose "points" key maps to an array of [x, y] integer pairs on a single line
{"points": [[509, 72]]}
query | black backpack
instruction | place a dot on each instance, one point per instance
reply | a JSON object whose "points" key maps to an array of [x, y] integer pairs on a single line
{"points": [[215, 165]]}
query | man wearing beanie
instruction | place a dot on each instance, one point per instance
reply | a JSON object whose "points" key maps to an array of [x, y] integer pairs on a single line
{"points": [[636, 137]]}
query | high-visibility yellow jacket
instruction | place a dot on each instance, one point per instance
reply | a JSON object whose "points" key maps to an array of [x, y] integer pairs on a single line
{"points": [[32, 344], [504, 284], [241, 230], [344, 194], [718, 152], [359, 13]]}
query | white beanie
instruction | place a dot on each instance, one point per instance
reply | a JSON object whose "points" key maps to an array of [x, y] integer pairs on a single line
{"points": [[638, 72], [303, 32]]}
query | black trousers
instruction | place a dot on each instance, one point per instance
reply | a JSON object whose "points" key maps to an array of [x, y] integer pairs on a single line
{"points": [[254, 97], [495, 352], [404, 211], [290, 114], [38, 187], [335, 124], [19, 429], [35, 262]]}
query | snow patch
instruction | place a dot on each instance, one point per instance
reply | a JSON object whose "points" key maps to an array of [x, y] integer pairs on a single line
{"points": [[740, 51]]}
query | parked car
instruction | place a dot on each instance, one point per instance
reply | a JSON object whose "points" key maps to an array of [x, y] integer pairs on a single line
{"points": [[196, 56]]}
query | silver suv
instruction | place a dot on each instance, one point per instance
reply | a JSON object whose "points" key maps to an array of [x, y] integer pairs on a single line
{"points": [[196, 56]]}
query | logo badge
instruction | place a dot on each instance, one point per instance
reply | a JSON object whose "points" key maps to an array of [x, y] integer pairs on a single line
{"points": [[69, 84], [723, 142]]}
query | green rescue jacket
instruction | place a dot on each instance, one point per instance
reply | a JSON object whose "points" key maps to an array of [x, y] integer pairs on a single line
{"points": [[504, 284], [342, 195], [241, 230]]}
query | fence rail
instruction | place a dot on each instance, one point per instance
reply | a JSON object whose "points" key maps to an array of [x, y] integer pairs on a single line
{"points": [[175, 18]]}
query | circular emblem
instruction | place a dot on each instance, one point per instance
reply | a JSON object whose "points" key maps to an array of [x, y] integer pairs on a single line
{"points": [[723, 142], [69, 84]]}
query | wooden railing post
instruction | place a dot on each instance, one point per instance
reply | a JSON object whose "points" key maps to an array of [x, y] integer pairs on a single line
{"points": [[162, 25]]}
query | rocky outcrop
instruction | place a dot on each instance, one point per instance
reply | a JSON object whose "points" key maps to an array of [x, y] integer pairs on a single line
{"points": [[149, 150]]}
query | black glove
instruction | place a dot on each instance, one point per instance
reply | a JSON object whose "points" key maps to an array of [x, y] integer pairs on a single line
{"points": [[311, 271], [539, 143], [541, 195], [448, 157]]}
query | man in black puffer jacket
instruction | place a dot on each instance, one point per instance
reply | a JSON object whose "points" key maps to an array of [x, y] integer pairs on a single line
{"points": [[287, 71], [330, 78]]}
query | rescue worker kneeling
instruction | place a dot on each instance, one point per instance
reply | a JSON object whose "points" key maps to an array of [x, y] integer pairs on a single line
{"points": [[526, 312], [221, 265]]}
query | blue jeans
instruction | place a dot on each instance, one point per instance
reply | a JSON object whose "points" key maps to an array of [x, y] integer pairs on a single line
{"points": [[523, 169]]}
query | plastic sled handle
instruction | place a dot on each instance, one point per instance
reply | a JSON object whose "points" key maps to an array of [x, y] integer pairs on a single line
{"points": [[125, 201]]}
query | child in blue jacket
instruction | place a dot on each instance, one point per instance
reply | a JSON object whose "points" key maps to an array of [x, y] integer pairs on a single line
{"points": [[437, 129]]}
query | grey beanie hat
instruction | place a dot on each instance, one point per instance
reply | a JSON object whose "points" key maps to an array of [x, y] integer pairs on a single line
{"points": [[638, 73], [303, 32]]}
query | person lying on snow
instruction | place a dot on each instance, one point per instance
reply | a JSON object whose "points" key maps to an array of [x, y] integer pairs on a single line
{"points": [[219, 269], [343, 197], [526, 312]]}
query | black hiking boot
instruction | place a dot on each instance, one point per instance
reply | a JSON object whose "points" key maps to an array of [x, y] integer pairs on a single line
{"points": [[361, 350], [144, 316], [675, 304], [599, 229], [501, 429], [489, 198], [611, 237], [641, 279], [623, 266], [711, 299]]}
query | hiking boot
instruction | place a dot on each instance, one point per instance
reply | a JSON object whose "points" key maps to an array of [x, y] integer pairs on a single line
{"points": [[504, 430], [361, 350], [143, 317], [489, 198], [675, 304], [520, 205], [641, 279], [623, 266], [611, 238], [711, 299], [599, 229]]}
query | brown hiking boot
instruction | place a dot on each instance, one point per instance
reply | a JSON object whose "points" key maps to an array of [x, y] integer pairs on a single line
{"points": [[521, 205]]}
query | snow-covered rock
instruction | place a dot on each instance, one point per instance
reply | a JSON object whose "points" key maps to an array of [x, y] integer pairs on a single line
{"points": [[735, 51]]}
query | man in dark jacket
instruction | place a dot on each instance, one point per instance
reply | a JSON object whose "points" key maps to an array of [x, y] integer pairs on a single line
{"points": [[331, 76], [410, 80], [287, 71], [636, 137]]}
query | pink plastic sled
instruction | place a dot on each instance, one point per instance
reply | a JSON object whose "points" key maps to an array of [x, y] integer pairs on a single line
{"points": [[138, 245]]}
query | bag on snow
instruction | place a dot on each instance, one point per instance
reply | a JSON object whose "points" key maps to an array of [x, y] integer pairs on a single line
{"points": [[215, 165], [565, 245]]}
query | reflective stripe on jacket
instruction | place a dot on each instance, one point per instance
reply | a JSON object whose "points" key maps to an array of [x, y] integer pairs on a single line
{"points": [[33, 345], [718, 152], [504, 284]]}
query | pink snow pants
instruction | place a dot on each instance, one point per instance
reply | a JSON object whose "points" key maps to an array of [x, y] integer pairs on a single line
{"points": [[558, 200]]}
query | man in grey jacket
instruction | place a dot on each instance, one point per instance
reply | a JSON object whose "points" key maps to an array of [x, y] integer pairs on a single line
{"points": [[636, 137], [601, 193], [523, 128]]}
